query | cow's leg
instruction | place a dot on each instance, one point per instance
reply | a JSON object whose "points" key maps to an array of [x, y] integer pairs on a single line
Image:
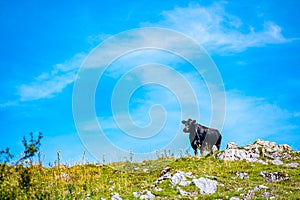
{"points": [[211, 149], [194, 146], [218, 144], [201, 149]]}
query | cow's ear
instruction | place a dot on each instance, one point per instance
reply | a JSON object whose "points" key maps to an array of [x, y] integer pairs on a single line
{"points": [[183, 121], [194, 121]]}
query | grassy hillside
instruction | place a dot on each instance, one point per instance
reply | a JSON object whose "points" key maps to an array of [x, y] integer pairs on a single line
{"points": [[95, 181]]}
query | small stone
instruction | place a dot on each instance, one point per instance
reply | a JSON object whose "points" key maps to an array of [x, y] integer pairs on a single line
{"points": [[265, 194], [145, 170], [136, 194], [116, 196], [277, 162], [148, 195], [292, 164], [65, 177], [157, 189], [242, 175], [234, 198], [257, 188], [112, 188], [136, 169]]}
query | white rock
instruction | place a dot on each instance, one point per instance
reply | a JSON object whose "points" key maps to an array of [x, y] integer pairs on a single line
{"points": [[180, 179], [242, 175], [257, 188], [292, 164], [145, 170], [157, 189], [232, 145], [65, 177], [116, 196], [253, 152], [234, 198], [277, 162], [148, 195], [206, 185], [136, 194], [112, 188]]}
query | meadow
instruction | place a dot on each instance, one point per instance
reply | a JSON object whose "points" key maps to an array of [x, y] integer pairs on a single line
{"points": [[25, 180]]}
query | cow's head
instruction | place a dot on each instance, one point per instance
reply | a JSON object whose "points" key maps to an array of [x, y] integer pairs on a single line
{"points": [[189, 125]]}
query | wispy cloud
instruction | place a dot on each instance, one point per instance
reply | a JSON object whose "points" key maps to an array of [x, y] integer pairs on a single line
{"points": [[218, 31], [249, 118], [47, 85], [8, 104]]}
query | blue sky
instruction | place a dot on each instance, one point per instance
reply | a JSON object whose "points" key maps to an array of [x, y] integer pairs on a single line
{"points": [[254, 45]]}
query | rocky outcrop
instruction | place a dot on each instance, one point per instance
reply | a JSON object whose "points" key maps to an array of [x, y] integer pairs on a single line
{"points": [[260, 151]]}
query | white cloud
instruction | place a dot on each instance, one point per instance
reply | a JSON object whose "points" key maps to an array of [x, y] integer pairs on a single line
{"points": [[250, 118], [47, 85], [218, 31], [45, 88], [214, 28], [8, 104]]}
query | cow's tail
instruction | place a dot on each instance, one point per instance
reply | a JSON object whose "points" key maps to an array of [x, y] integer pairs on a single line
{"points": [[218, 144]]}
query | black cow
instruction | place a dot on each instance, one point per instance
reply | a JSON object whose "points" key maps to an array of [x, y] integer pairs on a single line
{"points": [[201, 136]]}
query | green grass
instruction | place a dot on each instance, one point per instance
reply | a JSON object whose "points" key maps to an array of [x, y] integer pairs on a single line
{"points": [[101, 181]]}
